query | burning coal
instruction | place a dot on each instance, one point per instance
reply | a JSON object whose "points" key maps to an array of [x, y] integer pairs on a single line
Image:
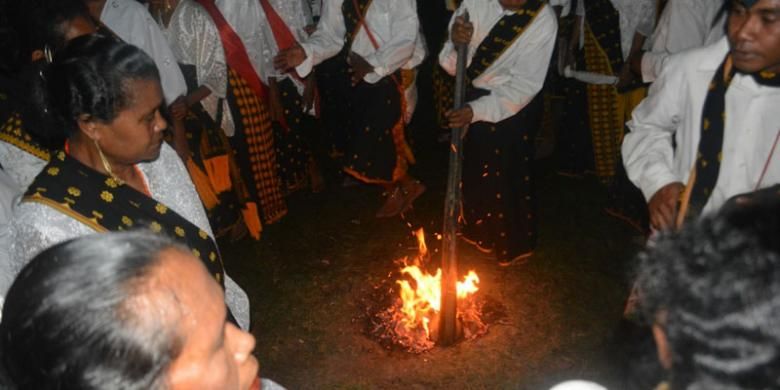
{"points": [[411, 320]]}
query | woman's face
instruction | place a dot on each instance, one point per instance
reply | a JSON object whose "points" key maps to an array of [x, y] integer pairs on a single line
{"points": [[215, 354], [136, 134]]}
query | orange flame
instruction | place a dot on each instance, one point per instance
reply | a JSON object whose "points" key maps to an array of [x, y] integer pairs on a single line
{"points": [[421, 304], [420, 234]]}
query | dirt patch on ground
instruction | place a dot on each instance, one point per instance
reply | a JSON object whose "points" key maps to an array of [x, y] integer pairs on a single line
{"points": [[308, 274]]}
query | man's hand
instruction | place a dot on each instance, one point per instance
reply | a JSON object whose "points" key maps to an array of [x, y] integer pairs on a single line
{"points": [[459, 118], [461, 31], [309, 91], [180, 143], [636, 62], [358, 68], [178, 108], [289, 58], [663, 206], [625, 77]]}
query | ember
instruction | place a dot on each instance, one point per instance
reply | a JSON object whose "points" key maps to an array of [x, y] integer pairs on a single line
{"points": [[411, 321]]}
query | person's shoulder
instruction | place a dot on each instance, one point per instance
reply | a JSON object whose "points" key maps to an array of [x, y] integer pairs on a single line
{"points": [[547, 13], [128, 6], [477, 4], [167, 158], [126, 18], [706, 58], [9, 191], [124, 9]]}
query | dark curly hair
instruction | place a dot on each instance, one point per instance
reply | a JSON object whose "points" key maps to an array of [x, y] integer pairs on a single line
{"points": [[90, 77], [718, 283], [82, 315]]}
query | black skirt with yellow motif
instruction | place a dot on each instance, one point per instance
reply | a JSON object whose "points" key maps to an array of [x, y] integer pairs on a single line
{"points": [[499, 206], [253, 144], [377, 151], [293, 151]]}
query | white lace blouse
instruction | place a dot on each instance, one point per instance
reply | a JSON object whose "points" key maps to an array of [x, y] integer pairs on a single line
{"points": [[37, 226]]}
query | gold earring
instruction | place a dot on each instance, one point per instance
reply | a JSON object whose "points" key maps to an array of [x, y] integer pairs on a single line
{"points": [[106, 164], [48, 54]]}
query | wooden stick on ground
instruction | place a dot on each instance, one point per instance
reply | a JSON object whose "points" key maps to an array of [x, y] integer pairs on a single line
{"points": [[449, 304]]}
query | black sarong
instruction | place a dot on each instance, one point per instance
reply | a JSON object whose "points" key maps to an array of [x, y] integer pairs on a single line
{"points": [[499, 206]]}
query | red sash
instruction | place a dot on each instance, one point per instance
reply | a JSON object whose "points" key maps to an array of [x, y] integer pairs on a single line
{"points": [[362, 23], [284, 40], [282, 35], [235, 52]]}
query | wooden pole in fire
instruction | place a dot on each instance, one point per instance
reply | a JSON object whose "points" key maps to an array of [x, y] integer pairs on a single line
{"points": [[452, 203]]}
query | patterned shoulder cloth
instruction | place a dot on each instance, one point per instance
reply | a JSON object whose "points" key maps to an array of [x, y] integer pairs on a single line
{"points": [[104, 204], [12, 132], [354, 16], [503, 34], [604, 23], [706, 171]]}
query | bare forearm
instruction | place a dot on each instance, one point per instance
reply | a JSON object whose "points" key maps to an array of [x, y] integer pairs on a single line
{"points": [[636, 45], [575, 34], [197, 95]]}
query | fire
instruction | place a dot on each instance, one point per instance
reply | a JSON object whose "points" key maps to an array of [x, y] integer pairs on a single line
{"points": [[414, 318]]}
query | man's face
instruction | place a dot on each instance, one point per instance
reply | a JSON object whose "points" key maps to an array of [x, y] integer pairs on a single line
{"points": [[512, 4], [754, 35]]}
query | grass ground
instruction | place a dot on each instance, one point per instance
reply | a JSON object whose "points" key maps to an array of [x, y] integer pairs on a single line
{"points": [[308, 273]]}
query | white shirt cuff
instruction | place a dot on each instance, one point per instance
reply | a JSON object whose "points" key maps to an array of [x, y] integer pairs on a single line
{"points": [[304, 68]]}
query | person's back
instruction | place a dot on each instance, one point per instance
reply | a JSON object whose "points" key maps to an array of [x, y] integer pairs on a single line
{"points": [[683, 25], [9, 190], [713, 294]]}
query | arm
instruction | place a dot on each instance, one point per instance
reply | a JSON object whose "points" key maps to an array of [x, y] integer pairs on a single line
{"points": [[293, 15], [648, 154], [197, 42], [8, 192], [146, 34], [326, 41], [36, 227], [448, 57], [526, 76], [629, 69], [682, 26], [393, 54], [574, 39]]}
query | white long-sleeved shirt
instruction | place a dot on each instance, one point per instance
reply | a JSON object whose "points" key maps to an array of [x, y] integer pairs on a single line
{"points": [[294, 16], [37, 226], [393, 23], [19, 164], [684, 24], [9, 193], [673, 111], [197, 41], [518, 74], [134, 24]]}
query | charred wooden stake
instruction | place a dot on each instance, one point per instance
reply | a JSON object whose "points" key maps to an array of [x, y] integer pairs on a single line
{"points": [[449, 303]]}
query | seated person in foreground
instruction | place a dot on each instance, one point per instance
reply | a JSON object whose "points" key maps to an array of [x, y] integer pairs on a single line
{"points": [[115, 172], [712, 293], [139, 312]]}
